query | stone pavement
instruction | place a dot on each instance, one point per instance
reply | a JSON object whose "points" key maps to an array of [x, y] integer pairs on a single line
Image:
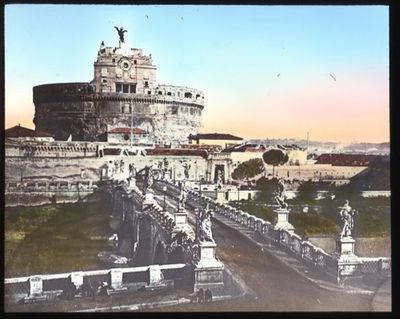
{"points": [[382, 300], [321, 279]]}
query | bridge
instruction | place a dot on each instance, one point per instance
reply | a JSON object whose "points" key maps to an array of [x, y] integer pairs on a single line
{"points": [[156, 231]]}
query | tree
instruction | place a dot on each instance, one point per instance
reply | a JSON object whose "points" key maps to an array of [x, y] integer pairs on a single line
{"points": [[248, 169], [267, 188], [308, 191], [275, 157]]}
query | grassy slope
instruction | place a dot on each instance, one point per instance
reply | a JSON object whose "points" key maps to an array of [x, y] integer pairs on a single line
{"points": [[51, 239], [371, 221]]}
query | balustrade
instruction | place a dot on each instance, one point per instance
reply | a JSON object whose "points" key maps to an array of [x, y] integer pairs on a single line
{"points": [[296, 244]]}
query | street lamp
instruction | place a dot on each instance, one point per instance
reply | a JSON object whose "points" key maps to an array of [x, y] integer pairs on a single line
{"points": [[164, 190]]}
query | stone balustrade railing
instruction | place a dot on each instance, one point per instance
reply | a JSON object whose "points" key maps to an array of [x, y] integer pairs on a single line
{"points": [[46, 286], [290, 240], [51, 186]]}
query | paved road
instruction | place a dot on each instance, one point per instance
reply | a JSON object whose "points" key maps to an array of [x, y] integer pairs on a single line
{"points": [[277, 286]]}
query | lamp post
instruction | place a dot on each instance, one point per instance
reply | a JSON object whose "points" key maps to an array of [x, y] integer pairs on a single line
{"points": [[164, 190]]}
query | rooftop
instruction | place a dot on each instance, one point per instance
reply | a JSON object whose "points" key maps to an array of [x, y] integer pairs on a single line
{"points": [[20, 131], [346, 159], [251, 147], [215, 136]]}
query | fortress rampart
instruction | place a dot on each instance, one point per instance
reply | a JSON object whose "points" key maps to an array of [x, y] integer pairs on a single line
{"points": [[123, 93]]}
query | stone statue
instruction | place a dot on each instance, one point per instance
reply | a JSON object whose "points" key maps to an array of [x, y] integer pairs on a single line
{"points": [[219, 179], [132, 170], [347, 217], [279, 197], [186, 168], [205, 226], [182, 197], [149, 178], [121, 32]]}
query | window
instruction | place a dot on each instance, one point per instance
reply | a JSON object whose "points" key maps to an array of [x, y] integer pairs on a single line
{"points": [[149, 92], [146, 84], [188, 95], [179, 93], [159, 92], [125, 88], [169, 94], [134, 61]]}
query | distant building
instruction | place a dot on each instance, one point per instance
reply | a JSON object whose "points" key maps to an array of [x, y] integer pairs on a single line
{"points": [[20, 133], [346, 159], [224, 140], [244, 152]]}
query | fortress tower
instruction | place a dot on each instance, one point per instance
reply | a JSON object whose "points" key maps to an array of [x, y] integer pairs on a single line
{"points": [[123, 93]]}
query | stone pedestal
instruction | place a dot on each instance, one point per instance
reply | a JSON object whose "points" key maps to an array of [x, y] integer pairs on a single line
{"points": [[131, 183], [148, 198], [283, 219], [35, 290], [348, 263], [220, 196], [209, 272], [116, 278], [156, 278], [181, 218], [35, 286], [345, 246], [77, 279]]}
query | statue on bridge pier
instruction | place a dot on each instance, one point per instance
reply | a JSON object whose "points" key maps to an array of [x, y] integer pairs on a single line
{"points": [[205, 225], [186, 168], [132, 170], [280, 196], [347, 214], [182, 197], [149, 179], [219, 180]]}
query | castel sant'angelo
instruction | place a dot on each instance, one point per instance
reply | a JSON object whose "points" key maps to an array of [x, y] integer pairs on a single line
{"points": [[124, 93]]}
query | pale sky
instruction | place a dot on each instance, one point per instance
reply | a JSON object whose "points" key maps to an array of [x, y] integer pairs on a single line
{"points": [[267, 71]]}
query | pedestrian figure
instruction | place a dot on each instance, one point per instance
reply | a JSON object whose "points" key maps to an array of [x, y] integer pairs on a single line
{"points": [[200, 295], [208, 295]]}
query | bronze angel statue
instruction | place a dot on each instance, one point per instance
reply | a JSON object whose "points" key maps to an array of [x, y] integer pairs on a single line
{"points": [[121, 32]]}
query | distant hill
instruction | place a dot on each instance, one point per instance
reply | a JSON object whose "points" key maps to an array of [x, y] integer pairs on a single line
{"points": [[328, 147]]}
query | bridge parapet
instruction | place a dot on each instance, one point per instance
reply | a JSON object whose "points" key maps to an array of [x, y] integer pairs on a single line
{"points": [[47, 287], [329, 263]]}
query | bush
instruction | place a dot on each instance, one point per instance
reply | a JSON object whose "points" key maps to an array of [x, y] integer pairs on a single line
{"points": [[257, 210], [312, 224]]}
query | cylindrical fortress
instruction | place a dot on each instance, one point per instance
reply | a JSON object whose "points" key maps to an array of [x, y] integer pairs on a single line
{"points": [[124, 93]]}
